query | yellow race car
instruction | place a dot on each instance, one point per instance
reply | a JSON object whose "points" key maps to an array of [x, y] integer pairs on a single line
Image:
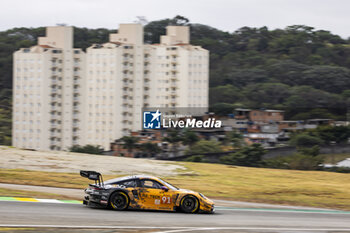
{"points": [[143, 192]]}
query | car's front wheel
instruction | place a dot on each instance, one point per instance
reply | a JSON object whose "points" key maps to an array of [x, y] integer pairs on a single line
{"points": [[119, 201], [189, 204]]}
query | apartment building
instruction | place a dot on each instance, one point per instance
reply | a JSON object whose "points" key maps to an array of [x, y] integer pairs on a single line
{"points": [[47, 86], [97, 97]]}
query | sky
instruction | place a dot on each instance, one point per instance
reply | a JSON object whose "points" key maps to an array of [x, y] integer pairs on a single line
{"points": [[227, 15]]}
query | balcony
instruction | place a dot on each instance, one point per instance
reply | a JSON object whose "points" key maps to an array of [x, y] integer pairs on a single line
{"points": [[54, 99], [126, 93], [55, 134], [55, 107], [54, 143], [55, 117], [55, 81]]}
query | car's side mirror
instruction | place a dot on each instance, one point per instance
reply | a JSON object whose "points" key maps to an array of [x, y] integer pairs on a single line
{"points": [[164, 188]]}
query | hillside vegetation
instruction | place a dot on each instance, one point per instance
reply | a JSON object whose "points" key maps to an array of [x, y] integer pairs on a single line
{"points": [[299, 69]]}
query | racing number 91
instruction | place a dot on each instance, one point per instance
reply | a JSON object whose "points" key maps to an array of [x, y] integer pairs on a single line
{"points": [[166, 200]]}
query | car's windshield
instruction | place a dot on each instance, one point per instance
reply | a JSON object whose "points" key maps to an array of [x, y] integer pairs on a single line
{"points": [[169, 185]]}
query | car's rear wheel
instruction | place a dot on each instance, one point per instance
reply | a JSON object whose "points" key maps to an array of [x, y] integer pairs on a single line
{"points": [[119, 201], [189, 204]]}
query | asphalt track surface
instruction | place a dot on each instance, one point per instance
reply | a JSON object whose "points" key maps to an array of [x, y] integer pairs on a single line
{"points": [[46, 216]]}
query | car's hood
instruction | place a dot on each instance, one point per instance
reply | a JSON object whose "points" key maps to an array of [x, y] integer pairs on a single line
{"points": [[186, 191], [193, 192]]}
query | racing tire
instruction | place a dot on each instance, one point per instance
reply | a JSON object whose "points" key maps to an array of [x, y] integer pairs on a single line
{"points": [[189, 204], [119, 201]]}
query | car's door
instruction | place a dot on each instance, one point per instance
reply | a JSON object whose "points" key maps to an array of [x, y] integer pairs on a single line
{"points": [[152, 196]]}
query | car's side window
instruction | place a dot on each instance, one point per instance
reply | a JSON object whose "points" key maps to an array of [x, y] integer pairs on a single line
{"points": [[150, 184], [128, 183]]}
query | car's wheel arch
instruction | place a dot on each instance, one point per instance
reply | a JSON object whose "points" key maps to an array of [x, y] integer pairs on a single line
{"points": [[118, 191], [189, 195]]}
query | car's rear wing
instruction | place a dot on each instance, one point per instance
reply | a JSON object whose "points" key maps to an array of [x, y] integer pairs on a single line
{"points": [[92, 175]]}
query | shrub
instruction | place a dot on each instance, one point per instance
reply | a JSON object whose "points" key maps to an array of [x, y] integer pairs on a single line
{"points": [[196, 158], [305, 140], [88, 149], [250, 156]]}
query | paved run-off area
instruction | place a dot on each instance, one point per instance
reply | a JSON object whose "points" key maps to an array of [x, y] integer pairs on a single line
{"points": [[68, 162]]}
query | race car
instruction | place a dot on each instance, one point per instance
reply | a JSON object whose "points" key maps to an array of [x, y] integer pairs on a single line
{"points": [[143, 192]]}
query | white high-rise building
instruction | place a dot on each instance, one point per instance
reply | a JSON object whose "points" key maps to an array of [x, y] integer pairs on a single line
{"points": [[47, 92], [65, 97]]}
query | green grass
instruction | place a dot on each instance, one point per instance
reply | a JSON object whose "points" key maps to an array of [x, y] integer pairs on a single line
{"points": [[304, 188], [291, 187]]}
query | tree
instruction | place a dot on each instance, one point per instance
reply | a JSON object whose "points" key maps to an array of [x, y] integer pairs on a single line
{"points": [[234, 138], [226, 94], [329, 134], [196, 158], [250, 156], [130, 143], [151, 149], [189, 138], [88, 149], [305, 140], [204, 147], [222, 108], [174, 138], [268, 94], [313, 151]]}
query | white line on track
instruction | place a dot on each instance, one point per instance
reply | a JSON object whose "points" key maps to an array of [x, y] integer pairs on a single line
{"points": [[172, 229], [214, 229], [91, 227]]}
